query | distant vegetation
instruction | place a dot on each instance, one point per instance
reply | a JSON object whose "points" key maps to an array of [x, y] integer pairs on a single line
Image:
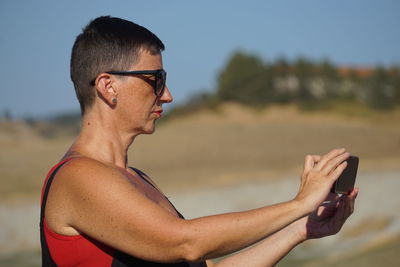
{"points": [[249, 80], [61, 125]]}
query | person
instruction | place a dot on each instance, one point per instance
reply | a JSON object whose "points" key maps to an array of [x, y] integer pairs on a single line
{"points": [[98, 211]]}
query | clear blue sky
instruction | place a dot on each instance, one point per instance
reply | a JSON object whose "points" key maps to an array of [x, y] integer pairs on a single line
{"points": [[37, 36]]}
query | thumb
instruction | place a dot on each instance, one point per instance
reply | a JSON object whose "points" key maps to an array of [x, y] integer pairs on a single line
{"points": [[310, 161]]}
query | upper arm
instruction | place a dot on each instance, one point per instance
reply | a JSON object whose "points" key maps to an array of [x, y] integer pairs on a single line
{"points": [[102, 203]]}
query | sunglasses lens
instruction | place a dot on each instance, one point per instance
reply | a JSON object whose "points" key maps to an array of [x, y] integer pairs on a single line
{"points": [[161, 77]]}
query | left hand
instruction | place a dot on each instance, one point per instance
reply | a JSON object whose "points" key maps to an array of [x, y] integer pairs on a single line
{"points": [[328, 219]]}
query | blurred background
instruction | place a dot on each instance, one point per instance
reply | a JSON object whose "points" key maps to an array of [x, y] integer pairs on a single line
{"points": [[257, 86]]}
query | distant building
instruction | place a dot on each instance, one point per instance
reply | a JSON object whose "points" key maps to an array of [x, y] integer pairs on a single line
{"points": [[361, 72]]}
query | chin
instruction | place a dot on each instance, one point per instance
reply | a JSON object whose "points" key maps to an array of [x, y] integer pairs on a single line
{"points": [[150, 132], [150, 129]]}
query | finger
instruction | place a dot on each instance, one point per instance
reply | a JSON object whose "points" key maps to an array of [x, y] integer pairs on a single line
{"points": [[332, 164], [332, 154], [352, 197], [354, 193], [324, 213], [317, 158], [339, 217], [351, 206], [310, 161], [334, 175], [346, 211], [331, 201]]}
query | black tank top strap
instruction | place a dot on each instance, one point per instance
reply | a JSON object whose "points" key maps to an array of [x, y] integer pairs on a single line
{"points": [[47, 260], [146, 179]]}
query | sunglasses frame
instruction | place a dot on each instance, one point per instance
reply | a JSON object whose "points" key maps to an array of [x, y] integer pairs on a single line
{"points": [[158, 74]]}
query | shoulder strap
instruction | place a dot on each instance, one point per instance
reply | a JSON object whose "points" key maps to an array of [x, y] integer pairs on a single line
{"points": [[143, 176], [46, 257]]}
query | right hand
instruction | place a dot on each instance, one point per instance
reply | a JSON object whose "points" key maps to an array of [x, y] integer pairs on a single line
{"points": [[319, 174]]}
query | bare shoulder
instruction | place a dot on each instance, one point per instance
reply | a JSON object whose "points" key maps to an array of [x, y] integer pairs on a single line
{"points": [[83, 178], [84, 169], [78, 173], [81, 182]]}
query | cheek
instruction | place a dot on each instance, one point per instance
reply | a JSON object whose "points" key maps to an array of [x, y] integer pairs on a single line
{"points": [[140, 110], [138, 103]]}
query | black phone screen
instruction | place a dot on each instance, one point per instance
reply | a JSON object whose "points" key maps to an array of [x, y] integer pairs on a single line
{"points": [[345, 183]]}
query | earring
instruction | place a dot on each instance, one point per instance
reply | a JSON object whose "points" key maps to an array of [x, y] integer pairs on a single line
{"points": [[114, 100]]}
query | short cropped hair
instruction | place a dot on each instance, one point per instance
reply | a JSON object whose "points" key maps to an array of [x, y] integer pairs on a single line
{"points": [[106, 44]]}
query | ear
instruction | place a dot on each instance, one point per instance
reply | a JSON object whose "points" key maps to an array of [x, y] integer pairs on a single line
{"points": [[104, 88]]}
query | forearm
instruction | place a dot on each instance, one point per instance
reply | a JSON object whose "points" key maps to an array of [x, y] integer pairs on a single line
{"points": [[218, 235], [269, 251]]}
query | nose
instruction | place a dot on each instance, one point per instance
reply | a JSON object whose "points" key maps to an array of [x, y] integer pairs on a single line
{"points": [[166, 96]]}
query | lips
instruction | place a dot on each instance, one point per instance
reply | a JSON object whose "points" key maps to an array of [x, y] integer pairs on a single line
{"points": [[158, 112]]}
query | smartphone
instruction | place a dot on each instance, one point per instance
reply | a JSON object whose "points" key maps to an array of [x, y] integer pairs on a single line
{"points": [[345, 183]]}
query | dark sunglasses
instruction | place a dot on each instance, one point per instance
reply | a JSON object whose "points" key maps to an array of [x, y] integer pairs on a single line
{"points": [[159, 82]]}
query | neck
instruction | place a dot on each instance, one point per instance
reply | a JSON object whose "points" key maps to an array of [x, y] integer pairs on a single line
{"points": [[102, 139]]}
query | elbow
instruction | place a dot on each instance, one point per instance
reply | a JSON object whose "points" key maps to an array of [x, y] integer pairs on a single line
{"points": [[192, 247], [192, 253], [185, 242]]}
